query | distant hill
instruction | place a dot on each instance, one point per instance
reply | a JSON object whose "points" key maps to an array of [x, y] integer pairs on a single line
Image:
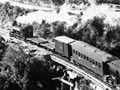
{"points": [[39, 2]]}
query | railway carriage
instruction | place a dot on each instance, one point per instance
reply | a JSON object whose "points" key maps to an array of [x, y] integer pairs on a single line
{"points": [[62, 46], [83, 54], [90, 57], [114, 67]]}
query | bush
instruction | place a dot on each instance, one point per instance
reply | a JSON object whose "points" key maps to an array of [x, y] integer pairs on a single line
{"points": [[9, 13], [20, 72], [58, 2], [109, 1]]}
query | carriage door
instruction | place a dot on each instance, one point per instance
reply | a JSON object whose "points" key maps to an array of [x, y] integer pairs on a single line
{"points": [[117, 77], [106, 70]]}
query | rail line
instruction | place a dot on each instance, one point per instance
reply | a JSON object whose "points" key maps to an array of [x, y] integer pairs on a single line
{"points": [[82, 72]]}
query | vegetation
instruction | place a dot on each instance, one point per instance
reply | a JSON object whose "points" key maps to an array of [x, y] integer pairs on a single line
{"points": [[47, 31], [2, 46], [39, 2], [98, 34], [13, 67], [55, 2], [18, 71], [109, 1], [9, 13], [94, 32], [58, 2]]}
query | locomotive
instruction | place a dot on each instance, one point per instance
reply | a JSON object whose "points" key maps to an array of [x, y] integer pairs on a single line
{"points": [[22, 33], [26, 34], [85, 56]]}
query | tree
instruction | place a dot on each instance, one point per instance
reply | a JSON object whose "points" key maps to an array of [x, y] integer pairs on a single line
{"points": [[20, 72], [98, 24], [58, 2], [14, 70], [58, 28], [2, 46]]}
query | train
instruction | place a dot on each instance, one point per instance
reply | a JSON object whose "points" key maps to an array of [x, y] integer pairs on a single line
{"points": [[26, 34], [95, 61]]}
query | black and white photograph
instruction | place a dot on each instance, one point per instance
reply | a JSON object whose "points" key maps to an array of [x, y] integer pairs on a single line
{"points": [[59, 44]]}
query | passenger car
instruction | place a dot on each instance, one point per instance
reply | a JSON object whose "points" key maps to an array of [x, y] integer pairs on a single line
{"points": [[88, 56]]}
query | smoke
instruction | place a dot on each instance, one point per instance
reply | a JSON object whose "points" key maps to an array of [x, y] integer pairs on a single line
{"points": [[50, 16]]}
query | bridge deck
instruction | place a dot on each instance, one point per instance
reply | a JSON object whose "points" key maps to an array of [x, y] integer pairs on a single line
{"points": [[82, 72]]}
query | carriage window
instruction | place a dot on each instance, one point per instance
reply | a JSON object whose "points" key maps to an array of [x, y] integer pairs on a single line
{"points": [[76, 52], [90, 60], [87, 58], [93, 61], [84, 56], [79, 54], [99, 65], [96, 63], [73, 51]]}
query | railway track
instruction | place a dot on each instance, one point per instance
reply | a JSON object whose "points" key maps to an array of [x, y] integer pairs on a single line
{"points": [[82, 72]]}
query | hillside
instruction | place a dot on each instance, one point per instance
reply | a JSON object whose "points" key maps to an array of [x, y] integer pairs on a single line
{"points": [[20, 71], [41, 2], [9, 13], [109, 1], [95, 24]]}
